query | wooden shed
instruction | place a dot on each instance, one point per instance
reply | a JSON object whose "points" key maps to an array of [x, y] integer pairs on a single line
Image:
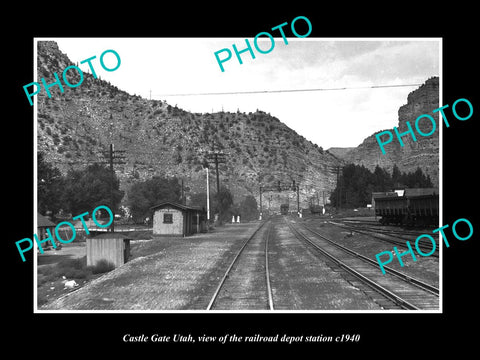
{"points": [[174, 219], [112, 247]]}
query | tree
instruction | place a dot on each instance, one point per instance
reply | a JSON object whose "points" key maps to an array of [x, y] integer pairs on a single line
{"points": [[199, 200], [416, 179], [396, 176], [88, 188], [356, 184], [248, 209], [50, 183], [382, 179], [222, 203], [143, 195]]}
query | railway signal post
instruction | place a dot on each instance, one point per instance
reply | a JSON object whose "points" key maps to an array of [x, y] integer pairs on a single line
{"points": [[281, 187]]}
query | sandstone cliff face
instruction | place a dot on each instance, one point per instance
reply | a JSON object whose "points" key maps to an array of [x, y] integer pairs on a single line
{"points": [[423, 153]]}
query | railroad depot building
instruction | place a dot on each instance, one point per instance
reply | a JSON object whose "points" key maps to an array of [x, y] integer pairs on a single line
{"points": [[172, 219]]}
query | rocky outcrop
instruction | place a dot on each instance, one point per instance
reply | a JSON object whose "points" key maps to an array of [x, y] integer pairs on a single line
{"points": [[153, 138], [423, 153]]}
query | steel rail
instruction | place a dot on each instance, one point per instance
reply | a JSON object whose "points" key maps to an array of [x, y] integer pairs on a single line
{"points": [[419, 283], [397, 232], [372, 233], [220, 285], [380, 289], [267, 272]]}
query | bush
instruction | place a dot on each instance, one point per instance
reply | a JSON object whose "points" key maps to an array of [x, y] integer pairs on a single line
{"points": [[70, 268], [102, 266], [74, 269]]}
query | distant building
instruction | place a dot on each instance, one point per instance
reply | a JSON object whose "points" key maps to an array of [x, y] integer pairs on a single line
{"points": [[174, 219], [43, 223]]}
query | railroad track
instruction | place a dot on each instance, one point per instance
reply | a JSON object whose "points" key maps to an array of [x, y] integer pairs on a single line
{"points": [[386, 229], [246, 282], [393, 290], [389, 236]]}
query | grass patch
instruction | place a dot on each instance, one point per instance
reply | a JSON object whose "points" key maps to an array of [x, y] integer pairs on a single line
{"points": [[102, 266], [73, 269], [50, 281], [140, 235]]}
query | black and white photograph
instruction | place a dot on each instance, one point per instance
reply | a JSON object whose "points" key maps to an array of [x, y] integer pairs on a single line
{"points": [[276, 182], [248, 189]]}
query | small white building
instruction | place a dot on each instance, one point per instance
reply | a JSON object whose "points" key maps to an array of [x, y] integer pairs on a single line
{"points": [[172, 219]]}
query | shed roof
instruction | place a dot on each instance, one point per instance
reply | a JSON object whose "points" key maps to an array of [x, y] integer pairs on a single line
{"points": [[114, 235], [176, 205], [42, 221]]}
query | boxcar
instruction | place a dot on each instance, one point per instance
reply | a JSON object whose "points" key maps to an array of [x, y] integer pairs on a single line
{"points": [[284, 209]]}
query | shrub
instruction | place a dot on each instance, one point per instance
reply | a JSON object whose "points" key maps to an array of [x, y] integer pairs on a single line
{"points": [[102, 266], [70, 268]]}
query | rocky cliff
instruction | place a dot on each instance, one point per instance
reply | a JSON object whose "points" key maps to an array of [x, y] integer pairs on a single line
{"points": [[76, 128], [423, 153]]}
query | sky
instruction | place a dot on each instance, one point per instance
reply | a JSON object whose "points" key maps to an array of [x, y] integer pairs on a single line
{"points": [[162, 68]]}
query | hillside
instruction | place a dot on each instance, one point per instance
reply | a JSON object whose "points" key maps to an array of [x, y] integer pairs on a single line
{"points": [[75, 129], [339, 152], [423, 153]]}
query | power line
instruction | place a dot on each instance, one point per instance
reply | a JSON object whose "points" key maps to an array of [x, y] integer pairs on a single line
{"points": [[290, 90]]}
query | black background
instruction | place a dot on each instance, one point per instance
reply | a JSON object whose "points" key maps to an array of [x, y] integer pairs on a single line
{"points": [[381, 334]]}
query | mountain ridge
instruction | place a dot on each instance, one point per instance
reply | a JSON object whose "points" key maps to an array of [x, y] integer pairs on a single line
{"points": [[154, 138], [76, 127]]}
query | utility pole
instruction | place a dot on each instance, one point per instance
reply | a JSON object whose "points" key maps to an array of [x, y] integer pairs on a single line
{"points": [[184, 200], [217, 157], [339, 189], [112, 156], [208, 197], [261, 209], [297, 189], [112, 179]]}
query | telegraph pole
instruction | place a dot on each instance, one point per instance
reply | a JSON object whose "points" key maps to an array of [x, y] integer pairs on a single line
{"points": [[217, 157], [261, 209], [184, 200], [208, 198], [339, 189], [216, 169], [112, 156], [297, 189]]}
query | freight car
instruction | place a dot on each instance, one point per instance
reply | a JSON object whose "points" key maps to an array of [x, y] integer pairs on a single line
{"points": [[284, 209], [414, 207]]}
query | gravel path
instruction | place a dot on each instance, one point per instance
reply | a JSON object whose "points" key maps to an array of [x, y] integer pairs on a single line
{"points": [[301, 280], [174, 273], [179, 276]]}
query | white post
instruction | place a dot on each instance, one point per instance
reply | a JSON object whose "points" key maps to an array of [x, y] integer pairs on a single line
{"points": [[208, 199]]}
